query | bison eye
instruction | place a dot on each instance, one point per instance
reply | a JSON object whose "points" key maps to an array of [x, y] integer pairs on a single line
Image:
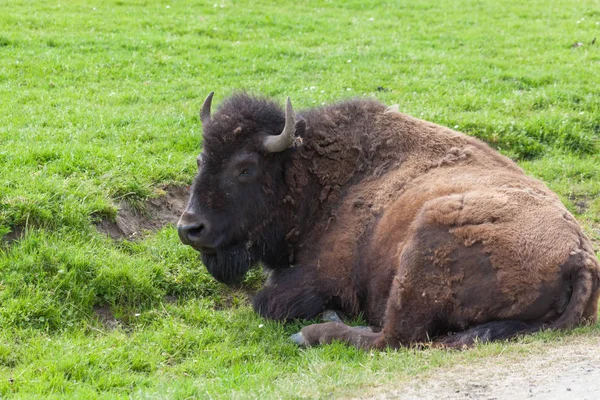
{"points": [[247, 172], [245, 167]]}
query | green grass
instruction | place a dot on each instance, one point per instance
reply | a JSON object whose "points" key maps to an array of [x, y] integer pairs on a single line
{"points": [[99, 103]]}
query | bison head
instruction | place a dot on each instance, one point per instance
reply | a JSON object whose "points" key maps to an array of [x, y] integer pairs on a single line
{"points": [[234, 216]]}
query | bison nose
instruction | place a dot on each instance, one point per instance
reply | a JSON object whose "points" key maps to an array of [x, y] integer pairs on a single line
{"points": [[193, 230]]}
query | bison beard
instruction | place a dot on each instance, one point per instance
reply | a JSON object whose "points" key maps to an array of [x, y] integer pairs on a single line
{"points": [[228, 266], [422, 230]]}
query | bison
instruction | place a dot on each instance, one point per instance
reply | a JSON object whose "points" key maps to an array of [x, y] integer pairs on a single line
{"points": [[427, 233]]}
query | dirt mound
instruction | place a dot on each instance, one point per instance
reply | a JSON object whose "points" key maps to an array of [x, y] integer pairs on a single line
{"points": [[132, 222]]}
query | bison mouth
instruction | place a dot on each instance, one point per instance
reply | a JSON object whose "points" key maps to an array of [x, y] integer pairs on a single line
{"points": [[229, 264], [205, 250]]}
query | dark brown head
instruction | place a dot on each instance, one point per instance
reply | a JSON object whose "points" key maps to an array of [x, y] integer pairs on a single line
{"points": [[234, 216]]}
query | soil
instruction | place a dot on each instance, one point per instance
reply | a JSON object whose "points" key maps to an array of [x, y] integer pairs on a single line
{"points": [[570, 370], [155, 213], [15, 234], [132, 222], [581, 203], [106, 317]]}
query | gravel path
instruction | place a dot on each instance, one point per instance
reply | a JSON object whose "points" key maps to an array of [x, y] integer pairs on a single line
{"points": [[565, 371]]}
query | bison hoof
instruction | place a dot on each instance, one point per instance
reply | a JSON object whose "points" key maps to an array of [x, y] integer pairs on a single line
{"points": [[364, 328], [330, 316], [298, 338]]}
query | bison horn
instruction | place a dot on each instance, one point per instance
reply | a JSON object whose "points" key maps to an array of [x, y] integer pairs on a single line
{"points": [[205, 112], [286, 139]]}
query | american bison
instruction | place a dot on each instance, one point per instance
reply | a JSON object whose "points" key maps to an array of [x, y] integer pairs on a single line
{"points": [[428, 233]]}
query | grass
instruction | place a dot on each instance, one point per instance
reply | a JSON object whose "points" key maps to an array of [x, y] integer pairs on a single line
{"points": [[100, 103]]}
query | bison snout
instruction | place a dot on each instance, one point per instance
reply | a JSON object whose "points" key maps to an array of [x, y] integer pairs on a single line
{"points": [[194, 231]]}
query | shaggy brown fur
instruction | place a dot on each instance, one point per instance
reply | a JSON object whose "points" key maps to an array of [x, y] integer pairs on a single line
{"points": [[422, 229]]}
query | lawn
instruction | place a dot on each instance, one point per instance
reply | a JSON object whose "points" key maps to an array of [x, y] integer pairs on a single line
{"points": [[99, 108]]}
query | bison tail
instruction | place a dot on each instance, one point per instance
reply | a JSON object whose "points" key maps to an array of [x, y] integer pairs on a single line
{"points": [[489, 332], [583, 304]]}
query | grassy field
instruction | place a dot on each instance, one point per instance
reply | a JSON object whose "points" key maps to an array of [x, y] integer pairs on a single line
{"points": [[99, 106]]}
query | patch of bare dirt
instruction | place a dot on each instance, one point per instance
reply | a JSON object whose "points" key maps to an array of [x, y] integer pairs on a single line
{"points": [[581, 206], [106, 317], [570, 370], [16, 234], [155, 213], [581, 203]]}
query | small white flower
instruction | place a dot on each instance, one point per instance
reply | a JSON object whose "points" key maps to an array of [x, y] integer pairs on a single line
{"points": [[261, 325], [137, 314], [455, 126], [349, 61], [581, 113]]}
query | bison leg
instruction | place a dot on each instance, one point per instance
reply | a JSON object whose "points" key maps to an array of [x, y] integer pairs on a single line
{"points": [[444, 286], [291, 294], [333, 316], [497, 330], [440, 286], [359, 336], [330, 316], [446, 280], [334, 329]]}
